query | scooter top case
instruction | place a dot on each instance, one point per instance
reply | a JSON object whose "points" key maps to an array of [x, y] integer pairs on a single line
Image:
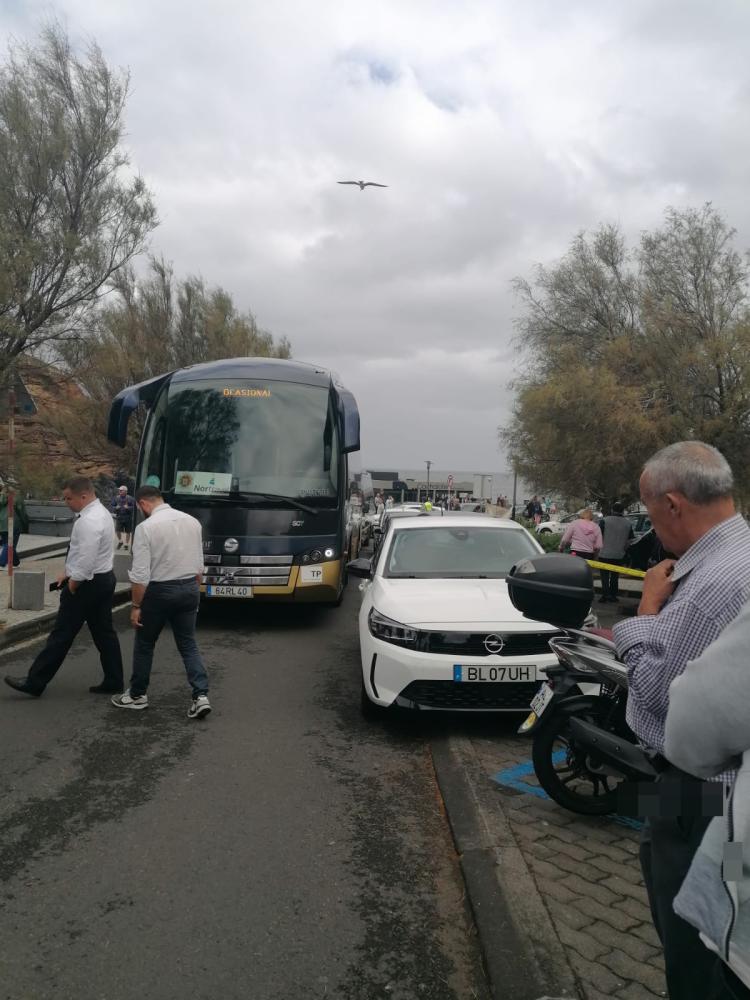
{"points": [[554, 588]]}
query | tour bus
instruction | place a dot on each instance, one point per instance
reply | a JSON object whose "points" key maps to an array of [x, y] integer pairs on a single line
{"points": [[256, 449]]}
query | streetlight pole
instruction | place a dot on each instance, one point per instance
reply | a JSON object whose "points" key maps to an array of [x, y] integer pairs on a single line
{"points": [[429, 466]]}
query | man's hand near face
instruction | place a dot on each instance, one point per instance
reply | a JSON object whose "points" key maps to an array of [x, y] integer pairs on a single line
{"points": [[657, 588]]}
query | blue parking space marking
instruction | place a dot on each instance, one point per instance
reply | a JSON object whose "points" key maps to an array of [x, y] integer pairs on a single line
{"points": [[514, 777]]}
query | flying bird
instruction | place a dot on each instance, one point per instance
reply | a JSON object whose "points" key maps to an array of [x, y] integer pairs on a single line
{"points": [[363, 184]]}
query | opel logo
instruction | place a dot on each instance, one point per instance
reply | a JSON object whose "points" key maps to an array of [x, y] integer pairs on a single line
{"points": [[494, 643]]}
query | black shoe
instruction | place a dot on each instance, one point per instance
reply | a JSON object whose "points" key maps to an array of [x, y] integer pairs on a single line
{"points": [[22, 684], [603, 600], [106, 689], [119, 546]]}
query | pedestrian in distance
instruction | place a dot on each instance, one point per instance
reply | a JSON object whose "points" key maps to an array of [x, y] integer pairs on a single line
{"points": [[20, 526], [707, 730], [686, 605], [86, 590], [583, 536], [617, 533], [166, 576], [123, 508], [534, 510]]}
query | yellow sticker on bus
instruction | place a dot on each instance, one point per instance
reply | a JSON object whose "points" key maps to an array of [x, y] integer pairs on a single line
{"points": [[248, 393]]}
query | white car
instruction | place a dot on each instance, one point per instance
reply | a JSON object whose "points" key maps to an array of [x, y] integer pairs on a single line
{"points": [[557, 525], [437, 629]]}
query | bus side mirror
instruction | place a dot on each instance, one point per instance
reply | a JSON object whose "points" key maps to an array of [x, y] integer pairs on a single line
{"points": [[360, 567], [350, 415]]}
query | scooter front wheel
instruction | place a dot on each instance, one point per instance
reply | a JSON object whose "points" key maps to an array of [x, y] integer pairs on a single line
{"points": [[565, 769]]}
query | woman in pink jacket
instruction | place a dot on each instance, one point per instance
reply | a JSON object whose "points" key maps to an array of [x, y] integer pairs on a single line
{"points": [[583, 536]]}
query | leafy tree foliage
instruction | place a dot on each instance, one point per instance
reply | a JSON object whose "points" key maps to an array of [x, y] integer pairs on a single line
{"points": [[627, 350], [148, 327], [71, 214]]}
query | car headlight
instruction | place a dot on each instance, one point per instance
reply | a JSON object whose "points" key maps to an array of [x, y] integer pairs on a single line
{"points": [[390, 631]]}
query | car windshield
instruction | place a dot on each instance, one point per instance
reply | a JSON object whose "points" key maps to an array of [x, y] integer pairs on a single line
{"points": [[454, 552]]}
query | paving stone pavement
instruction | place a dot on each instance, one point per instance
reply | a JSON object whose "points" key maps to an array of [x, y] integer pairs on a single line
{"points": [[587, 872]]}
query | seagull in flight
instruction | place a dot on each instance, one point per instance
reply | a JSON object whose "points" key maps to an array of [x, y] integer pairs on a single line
{"points": [[363, 184]]}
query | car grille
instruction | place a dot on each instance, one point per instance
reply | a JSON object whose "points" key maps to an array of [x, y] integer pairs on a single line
{"points": [[472, 643], [477, 697]]}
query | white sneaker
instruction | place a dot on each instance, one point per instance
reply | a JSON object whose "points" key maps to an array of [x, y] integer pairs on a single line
{"points": [[199, 707], [125, 701]]}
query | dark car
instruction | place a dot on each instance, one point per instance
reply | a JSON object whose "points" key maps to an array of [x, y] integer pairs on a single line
{"points": [[641, 523]]}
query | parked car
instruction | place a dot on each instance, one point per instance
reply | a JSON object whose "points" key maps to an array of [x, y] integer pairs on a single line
{"points": [[389, 514], [641, 523], [437, 628], [556, 525]]}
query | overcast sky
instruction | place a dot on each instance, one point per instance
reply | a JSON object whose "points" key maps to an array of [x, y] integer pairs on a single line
{"points": [[501, 128]]}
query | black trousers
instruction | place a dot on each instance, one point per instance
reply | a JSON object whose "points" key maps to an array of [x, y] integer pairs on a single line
{"points": [[727, 986], [91, 605], [610, 581], [668, 844]]}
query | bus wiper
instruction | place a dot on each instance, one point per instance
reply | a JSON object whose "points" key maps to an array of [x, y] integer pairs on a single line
{"points": [[276, 497], [236, 495]]}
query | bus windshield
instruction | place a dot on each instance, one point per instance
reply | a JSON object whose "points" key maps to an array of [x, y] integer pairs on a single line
{"points": [[213, 438]]}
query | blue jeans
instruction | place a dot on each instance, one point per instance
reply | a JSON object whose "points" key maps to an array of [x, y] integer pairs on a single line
{"points": [[175, 602]]}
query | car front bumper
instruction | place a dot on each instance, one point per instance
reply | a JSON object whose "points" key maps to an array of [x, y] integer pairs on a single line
{"points": [[396, 675]]}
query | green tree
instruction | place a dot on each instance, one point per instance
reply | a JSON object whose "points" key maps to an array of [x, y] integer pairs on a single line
{"points": [[71, 214], [651, 345], [148, 327]]}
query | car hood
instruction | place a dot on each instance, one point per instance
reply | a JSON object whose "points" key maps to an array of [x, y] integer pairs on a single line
{"points": [[464, 605]]}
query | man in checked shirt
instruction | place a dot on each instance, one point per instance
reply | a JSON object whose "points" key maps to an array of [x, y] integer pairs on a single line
{"points": [[687, 489]]}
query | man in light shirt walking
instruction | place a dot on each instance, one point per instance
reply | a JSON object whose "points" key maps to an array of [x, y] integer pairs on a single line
{"points": [[165, 577], [87, 587]]}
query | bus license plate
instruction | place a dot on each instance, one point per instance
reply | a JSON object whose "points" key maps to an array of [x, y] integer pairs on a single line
{"points": [[217, 590], [521, 672]]}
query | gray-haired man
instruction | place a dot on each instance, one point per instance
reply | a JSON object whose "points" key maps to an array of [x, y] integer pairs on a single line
{"points": [[687, 489]]}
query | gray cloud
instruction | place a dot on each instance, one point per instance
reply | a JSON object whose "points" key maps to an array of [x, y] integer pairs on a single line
{"points": [[501, 131]]}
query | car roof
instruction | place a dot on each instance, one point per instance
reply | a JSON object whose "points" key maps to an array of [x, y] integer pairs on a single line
{"points": [[456, 520]]}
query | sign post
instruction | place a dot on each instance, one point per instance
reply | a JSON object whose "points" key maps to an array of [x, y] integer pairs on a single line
{"points": [[450, 490]]}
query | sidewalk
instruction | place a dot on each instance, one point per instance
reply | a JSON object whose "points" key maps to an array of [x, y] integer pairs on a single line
{"points": [[18, 625], [558, 898]]}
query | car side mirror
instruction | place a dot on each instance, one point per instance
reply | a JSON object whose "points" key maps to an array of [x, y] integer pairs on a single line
{"points": [[360, 567]]}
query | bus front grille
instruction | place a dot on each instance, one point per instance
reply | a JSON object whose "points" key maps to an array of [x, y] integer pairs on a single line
{"points": [[256, 571]]}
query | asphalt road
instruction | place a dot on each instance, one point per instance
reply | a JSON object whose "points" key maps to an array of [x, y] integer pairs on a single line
{"points": [[281, 849]]}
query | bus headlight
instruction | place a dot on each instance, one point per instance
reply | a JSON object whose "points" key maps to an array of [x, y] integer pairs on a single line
{"points": [[329, 553]]}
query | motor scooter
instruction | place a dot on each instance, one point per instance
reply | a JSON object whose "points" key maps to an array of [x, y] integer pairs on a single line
{"points": [[583, 749]]}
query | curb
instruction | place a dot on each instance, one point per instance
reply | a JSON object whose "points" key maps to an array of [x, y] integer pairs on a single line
{"points": [[59, 545], [13, 634], [523, 956]]}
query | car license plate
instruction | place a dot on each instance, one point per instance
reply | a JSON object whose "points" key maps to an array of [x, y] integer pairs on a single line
{"points": [[518, 673], [219, 590], [541, 699]]}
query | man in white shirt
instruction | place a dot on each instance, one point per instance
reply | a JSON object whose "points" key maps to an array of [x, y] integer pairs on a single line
{"points": [[87, 587], [166, 577]]}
